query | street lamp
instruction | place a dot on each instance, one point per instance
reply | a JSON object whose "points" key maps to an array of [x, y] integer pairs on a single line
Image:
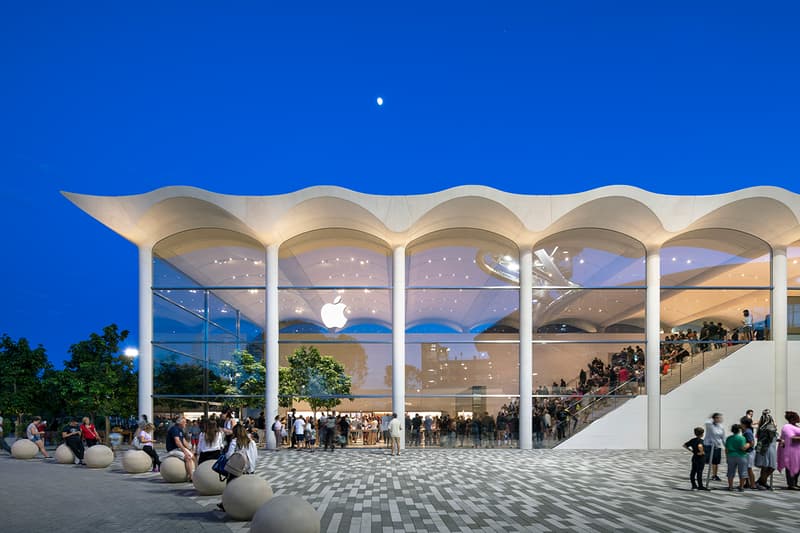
{"points": [[131, 352]]}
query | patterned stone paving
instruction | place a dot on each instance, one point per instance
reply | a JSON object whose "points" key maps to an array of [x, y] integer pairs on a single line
{"points": [[420, 491], [513, 490]]}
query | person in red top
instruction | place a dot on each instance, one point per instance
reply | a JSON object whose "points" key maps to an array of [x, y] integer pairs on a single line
{"points": [[89, 432]]}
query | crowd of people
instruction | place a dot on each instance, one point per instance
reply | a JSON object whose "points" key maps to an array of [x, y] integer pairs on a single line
{"points": [[750, 445]]}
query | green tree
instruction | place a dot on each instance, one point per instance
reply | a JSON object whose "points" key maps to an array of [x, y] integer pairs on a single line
{"points": [[98, 379], [242, 374], [171, 377], [21, 371], [314, 378]]}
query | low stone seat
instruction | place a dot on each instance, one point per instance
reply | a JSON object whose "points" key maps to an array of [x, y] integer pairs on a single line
{"points": [[286, 513], [173, 470], [136, 462], [24, 449], [98, 456], [64, 455], [206, 481], [244, 495]]}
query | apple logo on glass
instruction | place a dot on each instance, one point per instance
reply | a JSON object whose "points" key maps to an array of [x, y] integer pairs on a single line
{"points": [[333, 314]]}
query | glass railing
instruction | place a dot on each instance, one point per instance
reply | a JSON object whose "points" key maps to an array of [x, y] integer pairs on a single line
{"points": [[687, 359]]}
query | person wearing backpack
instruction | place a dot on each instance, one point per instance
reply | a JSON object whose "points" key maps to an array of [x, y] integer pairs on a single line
{"points": [[242, 456]]}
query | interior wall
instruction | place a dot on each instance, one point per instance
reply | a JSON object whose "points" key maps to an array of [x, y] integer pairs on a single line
{"points": [[744, 380], [624, 428], [794, 376]]}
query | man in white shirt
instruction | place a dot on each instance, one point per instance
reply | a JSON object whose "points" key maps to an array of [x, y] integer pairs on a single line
{"points": [[299, 431], [395, 432]]}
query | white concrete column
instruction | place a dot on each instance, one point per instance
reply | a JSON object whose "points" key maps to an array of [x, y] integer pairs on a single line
{"points": [[271, 340], [653, 353], [779, 325], [525, 348], [399, 337], [145, 332]]}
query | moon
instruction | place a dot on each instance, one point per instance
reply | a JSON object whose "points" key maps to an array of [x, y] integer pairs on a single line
{"points": [[379, 101]]}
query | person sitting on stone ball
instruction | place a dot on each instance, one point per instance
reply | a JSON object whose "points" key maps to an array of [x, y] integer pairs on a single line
{"points": [[36, 436], [72, 438], [177, 446]]}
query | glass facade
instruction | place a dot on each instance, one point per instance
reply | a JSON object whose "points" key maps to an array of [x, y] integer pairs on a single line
{"points": [[461, 348]]}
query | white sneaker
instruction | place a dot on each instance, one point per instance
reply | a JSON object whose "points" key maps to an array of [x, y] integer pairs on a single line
{"points": [[77, 461]]}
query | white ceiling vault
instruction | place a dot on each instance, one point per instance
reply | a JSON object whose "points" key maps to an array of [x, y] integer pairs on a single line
{"points": [[468, 237]]}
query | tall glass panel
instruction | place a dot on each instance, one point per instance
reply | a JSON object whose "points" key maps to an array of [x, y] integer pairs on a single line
{"points": [[588, 329], [462, 340], [716, 286], [208, 322], [335, 301]]}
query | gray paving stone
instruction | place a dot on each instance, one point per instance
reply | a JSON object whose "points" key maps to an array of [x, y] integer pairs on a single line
{"points": [[422, 490]]}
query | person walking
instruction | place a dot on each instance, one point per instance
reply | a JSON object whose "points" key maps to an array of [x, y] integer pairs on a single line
{"points": [[395, 432], [789, 450]]}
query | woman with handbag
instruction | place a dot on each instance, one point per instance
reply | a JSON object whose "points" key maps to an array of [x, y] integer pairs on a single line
{"points": [[210, 442], [243, 445]]}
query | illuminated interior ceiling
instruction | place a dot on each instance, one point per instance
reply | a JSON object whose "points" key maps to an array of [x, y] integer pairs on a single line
{"points": [[361, 270]]}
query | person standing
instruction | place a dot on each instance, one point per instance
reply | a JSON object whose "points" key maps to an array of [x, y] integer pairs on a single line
{"points": [[36, 436], [277, 428], [344, 430], [330, 430], [290, 419], [178, 447], [767, 449], [695, 446], [395, 432], [3, 444], [747, 325], [736, 453], [385, 421], [789, 450], [72, 438], [146, 439], [747, 432], [261, 428], [713, 443], [298, 432], [89, 432], [194, 435]]}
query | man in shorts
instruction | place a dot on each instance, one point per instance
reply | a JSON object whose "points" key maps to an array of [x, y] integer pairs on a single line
{"points": [[299, 431], [178, 447]]}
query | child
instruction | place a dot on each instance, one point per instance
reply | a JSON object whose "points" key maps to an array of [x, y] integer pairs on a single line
{"points": [[695, 446]]}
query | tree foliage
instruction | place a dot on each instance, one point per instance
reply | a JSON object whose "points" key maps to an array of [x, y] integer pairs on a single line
{"points": [[314, 378], [21, 371], [97, 379], [242, 374], [171, 377]]}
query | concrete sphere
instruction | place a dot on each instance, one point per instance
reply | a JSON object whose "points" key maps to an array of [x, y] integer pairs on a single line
{"points": [[64, 455], [244, 495], [206, 481], [98, 456], [24, 449], [173, 470], [286, 513], [136, 462]]}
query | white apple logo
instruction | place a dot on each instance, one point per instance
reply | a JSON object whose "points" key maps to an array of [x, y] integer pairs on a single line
{"points": [[333, 314]]}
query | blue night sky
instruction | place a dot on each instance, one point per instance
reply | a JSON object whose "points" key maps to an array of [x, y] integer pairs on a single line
{"points": [[528, 97]]}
